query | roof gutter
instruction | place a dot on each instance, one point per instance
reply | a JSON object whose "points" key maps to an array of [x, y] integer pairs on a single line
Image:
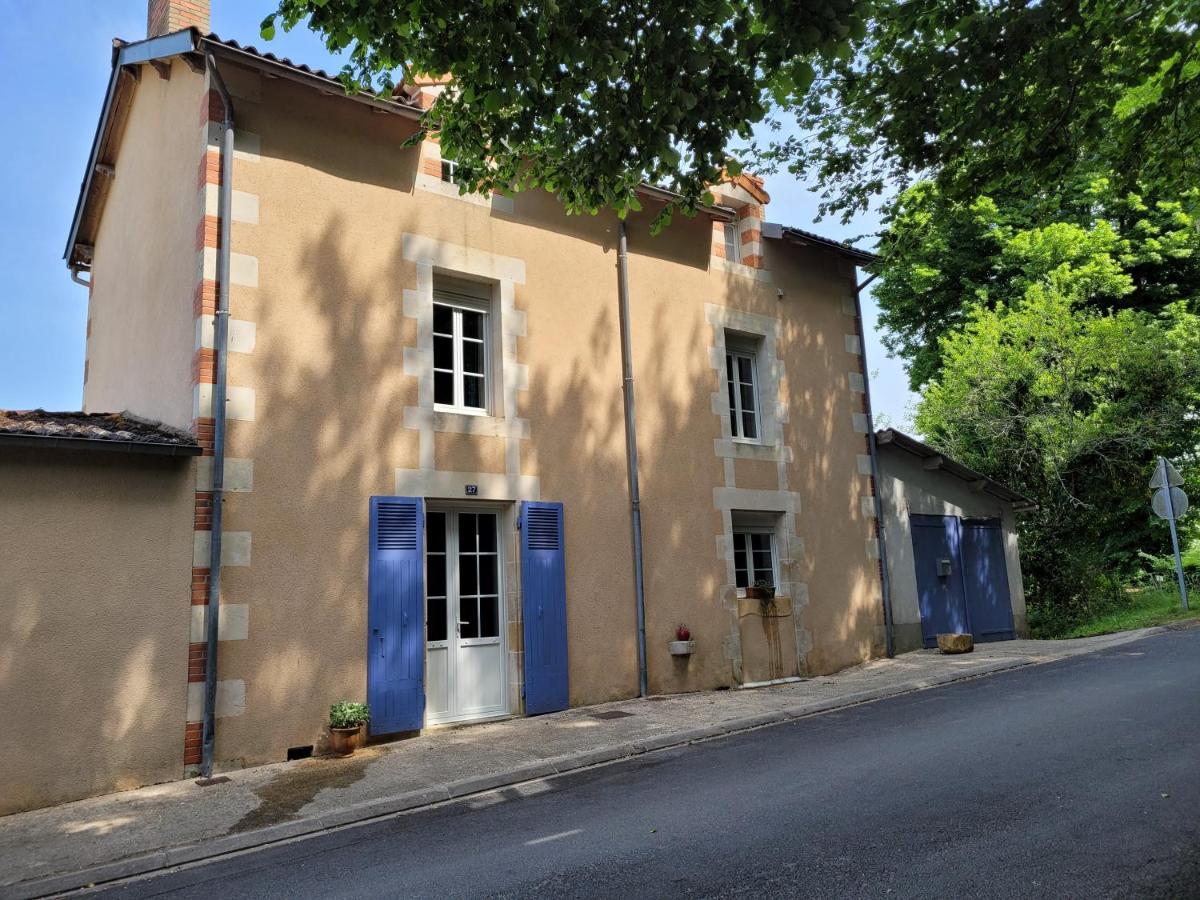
{"points": [[859, 257], [220, 348], [77, 443]]}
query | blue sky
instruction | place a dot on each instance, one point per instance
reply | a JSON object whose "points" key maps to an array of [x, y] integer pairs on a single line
{"points": [[54, 67]]}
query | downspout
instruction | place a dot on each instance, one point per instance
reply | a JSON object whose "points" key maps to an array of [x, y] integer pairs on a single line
{"points": [[220, 347], [872, 448], [75, 278], [631, 453]]}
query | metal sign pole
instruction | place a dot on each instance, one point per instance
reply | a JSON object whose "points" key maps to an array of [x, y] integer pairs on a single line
{"points": [[1162, 468]]}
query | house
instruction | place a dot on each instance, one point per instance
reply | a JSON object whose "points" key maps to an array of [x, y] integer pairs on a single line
{"points": [[951, 545], [414, 480]]}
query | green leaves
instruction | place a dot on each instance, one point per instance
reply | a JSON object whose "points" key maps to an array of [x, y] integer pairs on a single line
{"points": [[1008, 99], [1059, 358], [1100, 248], [347, 714], [588, 96]]}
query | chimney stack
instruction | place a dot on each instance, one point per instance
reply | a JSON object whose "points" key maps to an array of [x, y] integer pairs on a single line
{"points": [[166, 16]]}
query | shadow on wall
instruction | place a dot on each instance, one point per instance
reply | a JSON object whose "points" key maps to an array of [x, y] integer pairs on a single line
{"points": [[93, 639], [329, 374]]}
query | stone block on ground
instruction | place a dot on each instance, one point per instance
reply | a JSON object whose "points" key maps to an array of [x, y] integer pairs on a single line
{"points": [[955, 643]]}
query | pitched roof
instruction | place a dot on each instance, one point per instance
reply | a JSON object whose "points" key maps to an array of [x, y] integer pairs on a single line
{"points": [[104, 431], [891, 437], [192, 45], [800, 236]]}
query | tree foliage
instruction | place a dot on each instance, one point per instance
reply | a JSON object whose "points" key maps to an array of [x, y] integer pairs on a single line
{"points": [[1006, 98], [587, 98], [1069, 404], [1106, 248]]}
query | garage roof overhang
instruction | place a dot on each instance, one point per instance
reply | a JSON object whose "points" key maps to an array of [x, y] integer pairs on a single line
{"points": [[936, 460]]}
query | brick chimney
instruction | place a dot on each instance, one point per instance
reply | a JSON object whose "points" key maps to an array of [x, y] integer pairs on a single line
{"points": [[166, 16]]}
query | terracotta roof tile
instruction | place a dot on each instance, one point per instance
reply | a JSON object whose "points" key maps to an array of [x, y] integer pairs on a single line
{"points": [[115, 428]]}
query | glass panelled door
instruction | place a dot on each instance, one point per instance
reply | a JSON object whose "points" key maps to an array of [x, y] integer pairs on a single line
{"points": [[464, 652]]}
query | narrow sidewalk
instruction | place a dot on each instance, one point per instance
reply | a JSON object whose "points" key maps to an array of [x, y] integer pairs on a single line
{"points": [[119, 835]]}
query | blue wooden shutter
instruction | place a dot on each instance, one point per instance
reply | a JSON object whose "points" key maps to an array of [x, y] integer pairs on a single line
{"points": [[396, 615], [544, 607]]}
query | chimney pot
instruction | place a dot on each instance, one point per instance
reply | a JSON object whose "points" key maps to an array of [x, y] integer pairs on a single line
{"points": [[167, 16]]}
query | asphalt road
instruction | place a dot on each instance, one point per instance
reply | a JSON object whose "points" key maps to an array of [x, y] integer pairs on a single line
{"points": [[1073, 779]]}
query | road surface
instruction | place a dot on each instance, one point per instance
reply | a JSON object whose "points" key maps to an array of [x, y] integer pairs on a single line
{"points": [[1073, 779]]}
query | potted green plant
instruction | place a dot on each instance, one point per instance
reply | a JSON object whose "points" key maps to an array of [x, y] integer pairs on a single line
{"points": [[346, 721], [761, 590]]}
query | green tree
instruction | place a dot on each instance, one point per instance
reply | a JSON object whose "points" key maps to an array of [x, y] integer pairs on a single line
{"points": [[1069, 404], [1107, 249], [1006, 98], [587, 98]]}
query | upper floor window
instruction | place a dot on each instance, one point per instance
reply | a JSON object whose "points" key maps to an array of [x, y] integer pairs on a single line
{"points": [[461, 352], [741, 377], [450, 172], [733, 243]]}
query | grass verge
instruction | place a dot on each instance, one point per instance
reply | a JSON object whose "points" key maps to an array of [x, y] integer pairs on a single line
{"points": [[1142, 609]]}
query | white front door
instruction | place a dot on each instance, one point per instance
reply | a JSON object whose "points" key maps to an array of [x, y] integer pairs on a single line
{"points": [[464, 617]]}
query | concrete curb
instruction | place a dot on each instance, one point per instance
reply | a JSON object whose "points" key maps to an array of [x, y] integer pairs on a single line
{"points": [[374, 810]]}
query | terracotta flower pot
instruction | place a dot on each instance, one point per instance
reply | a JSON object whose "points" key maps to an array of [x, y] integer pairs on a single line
{"points": [[344, 741]]}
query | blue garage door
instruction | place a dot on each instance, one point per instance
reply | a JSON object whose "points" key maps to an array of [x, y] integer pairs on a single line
{"points": [[989, 605], [936, 551], [962, 581]]}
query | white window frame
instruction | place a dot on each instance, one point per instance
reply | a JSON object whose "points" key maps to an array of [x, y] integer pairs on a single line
{"points": [[736, 411], [459, 303], [733, 242], [449, 172], [747, 529]]}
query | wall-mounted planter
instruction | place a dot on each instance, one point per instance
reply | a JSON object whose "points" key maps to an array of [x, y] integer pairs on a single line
{"points": [[776, 607], [682, 648], [344, 741]]}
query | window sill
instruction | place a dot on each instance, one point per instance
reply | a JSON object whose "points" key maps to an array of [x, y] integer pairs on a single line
{"points": [[461, 411], [749, 442]]}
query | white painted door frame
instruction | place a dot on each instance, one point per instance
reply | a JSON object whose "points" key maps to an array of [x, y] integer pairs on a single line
{"points": [[453, 663]]}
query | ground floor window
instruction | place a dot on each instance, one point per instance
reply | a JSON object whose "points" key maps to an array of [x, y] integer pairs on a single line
{"points": [[753, 558], [755, 550]]}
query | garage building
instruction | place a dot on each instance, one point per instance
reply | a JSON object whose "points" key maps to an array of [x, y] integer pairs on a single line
{"points": [[952, 554]]}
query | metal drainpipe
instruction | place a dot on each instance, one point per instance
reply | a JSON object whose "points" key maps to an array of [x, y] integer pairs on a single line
{"points": [[885, 577], [631, 453], [220, 342]]}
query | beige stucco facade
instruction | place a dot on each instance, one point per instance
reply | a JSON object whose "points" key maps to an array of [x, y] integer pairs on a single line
{"points": [[140, 336], [347, 246], [93, 649], [339, 236]]}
